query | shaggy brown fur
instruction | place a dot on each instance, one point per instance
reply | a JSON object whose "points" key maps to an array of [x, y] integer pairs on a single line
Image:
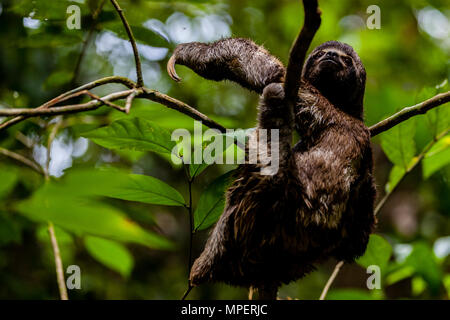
{"points": [[320, 202]]}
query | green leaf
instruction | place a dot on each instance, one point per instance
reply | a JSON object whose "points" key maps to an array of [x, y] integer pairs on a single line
{"points": [[119, 185], [438, 118], [58, 79], [110, 253], [196, 169], [398, 144], [447, 283], [230, 150], [377, 253], [399, 274], [134, 133], [211, 203], [241, 136], [141, 34], [9, 230], [424, 262], [62, 236], [130, 155], [8, 179], [418, 286], [85, 216], [349, 294], [135, 187], [65, 241], [396, 175], [437, 158], [148, 110]]}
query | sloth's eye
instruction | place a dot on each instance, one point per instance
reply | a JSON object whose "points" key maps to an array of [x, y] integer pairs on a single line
{"points": [[319, 54], [347, 59]]}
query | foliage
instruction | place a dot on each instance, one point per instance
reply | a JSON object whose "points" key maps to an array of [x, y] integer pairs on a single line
{"points": [[121, 207]]}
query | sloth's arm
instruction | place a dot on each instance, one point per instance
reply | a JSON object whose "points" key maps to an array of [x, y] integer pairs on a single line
{"points": [[277, 118], [235, 59]]}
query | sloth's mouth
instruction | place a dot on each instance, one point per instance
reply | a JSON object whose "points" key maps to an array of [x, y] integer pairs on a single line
{"points": [[330, 65], [332, 61]]}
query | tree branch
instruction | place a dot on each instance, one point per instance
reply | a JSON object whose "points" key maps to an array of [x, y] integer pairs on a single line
{"points": [[182, 107], [91, 105], [299, 49], [86, 42], [108, 103], [20, 158], [145, 93], [408, 112], [292, 84], [140, 81], [66, 95], [191, 229], [129, 101], [417, 160], [51, 230], [330, 281], [58, 263]]}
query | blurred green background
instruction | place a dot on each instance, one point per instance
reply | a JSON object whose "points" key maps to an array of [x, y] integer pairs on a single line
{"points": [[407, 61]]}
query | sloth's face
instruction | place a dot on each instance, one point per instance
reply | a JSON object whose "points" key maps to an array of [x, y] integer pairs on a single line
{"points": [[333, 65], [336, 71], [332, 68]]}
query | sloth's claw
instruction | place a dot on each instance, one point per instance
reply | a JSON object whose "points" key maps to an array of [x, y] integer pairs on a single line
{"points": [[171, 69]]}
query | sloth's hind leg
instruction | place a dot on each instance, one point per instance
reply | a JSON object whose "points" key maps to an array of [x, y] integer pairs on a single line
{"points": [[214, 262]]}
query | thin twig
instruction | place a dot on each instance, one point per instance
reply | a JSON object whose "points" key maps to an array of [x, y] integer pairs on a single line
{"points": [[251, 291], [191, 225], [418, 159], [26, 141], [57, 255], [87, 41], [129, 101], [408, 112], [88, 86], [190, 287], [381, 203], [20, 158], [99, 82], [106, 102], [58, 263], [51, 230], [299, 49], [191, 229], [51, 137], [91, 105], [330, 281], [140, 81], [182, 107]]}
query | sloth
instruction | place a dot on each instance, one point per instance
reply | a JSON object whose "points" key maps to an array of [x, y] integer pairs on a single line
{"points": [[320, 203]]}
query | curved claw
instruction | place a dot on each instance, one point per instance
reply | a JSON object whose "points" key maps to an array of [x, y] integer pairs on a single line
{"points": [[171, 69]]}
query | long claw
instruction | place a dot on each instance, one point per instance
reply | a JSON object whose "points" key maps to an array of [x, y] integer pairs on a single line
{"points": [[171, 69]]}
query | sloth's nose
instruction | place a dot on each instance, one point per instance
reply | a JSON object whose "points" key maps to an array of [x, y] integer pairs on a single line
{"points": [[331, 54]]}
